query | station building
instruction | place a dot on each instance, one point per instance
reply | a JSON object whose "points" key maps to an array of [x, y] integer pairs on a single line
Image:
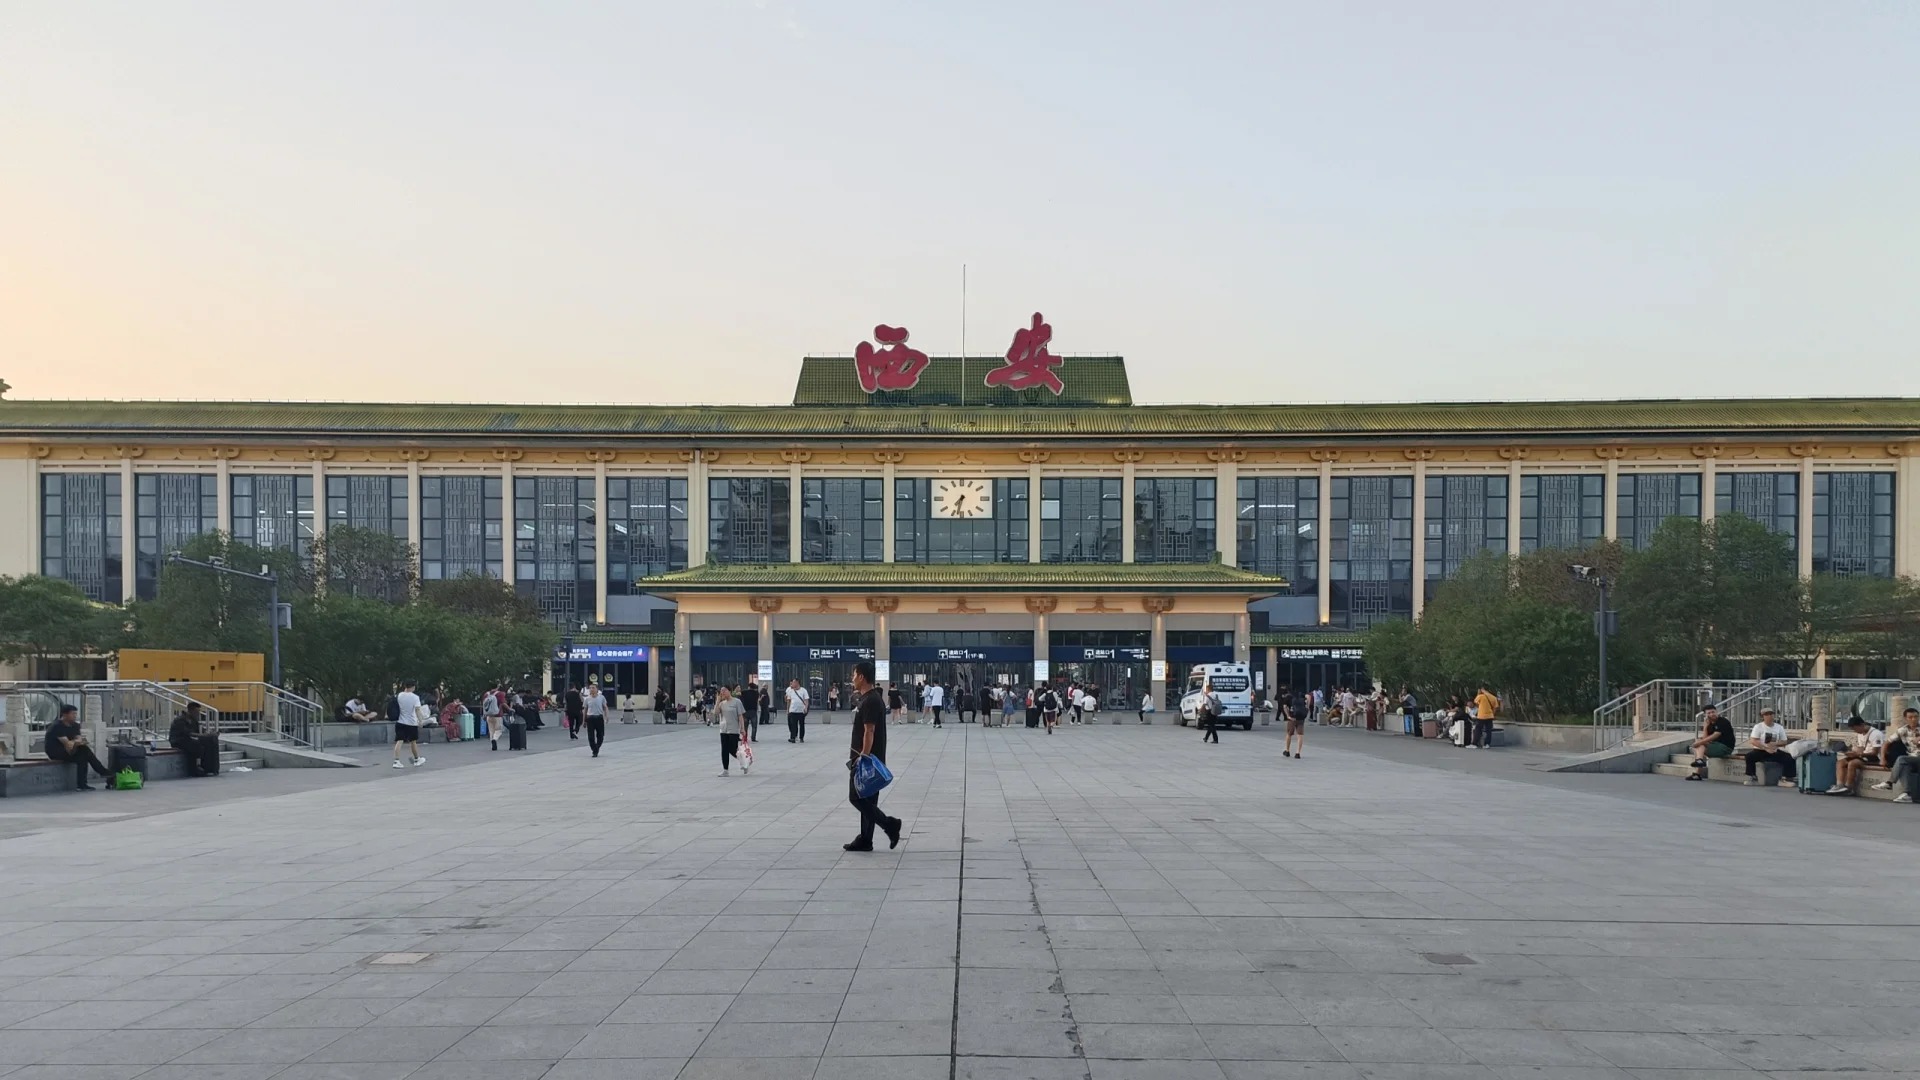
{"points": [[948, 523]]}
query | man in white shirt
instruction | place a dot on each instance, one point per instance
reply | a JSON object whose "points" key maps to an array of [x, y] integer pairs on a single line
{"points": [[936, 697], [1768, 742], [1863, 750], [406, 726], [357, 711], [798, 702], [595, 704]]}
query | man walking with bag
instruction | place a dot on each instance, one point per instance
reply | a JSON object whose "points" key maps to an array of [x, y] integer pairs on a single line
{"points": [[869, 739]]}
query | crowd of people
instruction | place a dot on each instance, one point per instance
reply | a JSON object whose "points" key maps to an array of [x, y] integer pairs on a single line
{"points": [[1865, 745]]}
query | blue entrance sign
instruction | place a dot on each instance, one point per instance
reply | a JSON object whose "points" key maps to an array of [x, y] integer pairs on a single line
{"points": [[602, 653], [802, 654], [986, 653], [1081, 655]]}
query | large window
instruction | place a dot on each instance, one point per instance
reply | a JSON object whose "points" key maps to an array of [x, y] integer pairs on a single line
{"points": [[1371, 553], [646, 529], [1279, 522], [1647, 500], [842, 519], [1853, 523], [375, 503], [170, 509], [1465, 516], [1770, 498], [1080, 520], [747, 519], [553, 545], [460, 524], [1173, 519], [920, 537], [1561, 512], [273, 512], [80, 532]]}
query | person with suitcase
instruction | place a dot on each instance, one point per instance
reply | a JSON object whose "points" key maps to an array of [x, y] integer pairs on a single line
{"points": [[1715, 741], [185, 737]]}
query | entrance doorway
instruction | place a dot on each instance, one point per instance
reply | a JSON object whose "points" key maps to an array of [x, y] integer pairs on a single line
{"points": [[970, 676]]}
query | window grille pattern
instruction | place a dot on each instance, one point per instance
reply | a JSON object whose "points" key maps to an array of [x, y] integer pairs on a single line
{"points": [[1466, 515], [747, 519], [1647, 500], [553, 518], [1173, 519], [646, 529], [80, 532], [460, 526], [1278, 523], [920, 537], [375, 503], [1770, 498], [274, 512], [1371, 558], [1853, 523], [1080, 519], [169, 510], [842, 519], [1561, 512]]}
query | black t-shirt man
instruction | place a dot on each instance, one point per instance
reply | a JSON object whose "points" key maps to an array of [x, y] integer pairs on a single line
{"points": [[56, 731], [871, 715], [1722, 731]]}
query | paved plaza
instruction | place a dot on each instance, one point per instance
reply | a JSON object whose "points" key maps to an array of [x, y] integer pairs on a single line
{"points": [[1108, 903]]}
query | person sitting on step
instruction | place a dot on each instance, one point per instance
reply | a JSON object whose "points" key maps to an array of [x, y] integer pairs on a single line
{"points": [[1901, 753], [1715, 741], [1767, 742], [1863, 749]]}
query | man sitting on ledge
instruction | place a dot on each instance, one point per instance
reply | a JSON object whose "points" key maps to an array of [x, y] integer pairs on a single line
{"points": [[1768, 742], [65, 743], [1864, 748], [1715, 741], [185, 737]]}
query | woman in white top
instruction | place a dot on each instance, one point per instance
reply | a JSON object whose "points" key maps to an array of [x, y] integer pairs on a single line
{"points": [[1146, 705], [728, 714]]}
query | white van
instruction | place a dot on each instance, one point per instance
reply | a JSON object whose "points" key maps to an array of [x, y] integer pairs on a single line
{"points": [[1232, 683]]}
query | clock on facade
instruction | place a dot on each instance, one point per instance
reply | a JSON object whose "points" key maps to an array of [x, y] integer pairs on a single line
{"points": [[962, 498]]}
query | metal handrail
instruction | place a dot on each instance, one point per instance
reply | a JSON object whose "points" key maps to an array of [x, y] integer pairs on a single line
{"points": [[258, 708], [139, 705]]}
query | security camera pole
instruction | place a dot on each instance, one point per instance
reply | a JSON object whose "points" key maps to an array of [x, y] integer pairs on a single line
{"points": [[266, 574], [1603, 620]]}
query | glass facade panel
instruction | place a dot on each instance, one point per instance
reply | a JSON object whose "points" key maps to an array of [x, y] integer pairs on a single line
{"points": [[1561, 512], [274, 512], [646, 529], [747, 519], [1371, 557], [1080, 519], [1853, 523], [1647, 500], [169, 510], [1279, 521], [375, 503], [1465, 516], [460, 526], [553, 552], [1770, 498], [918, 536], [80, 532], [842, 519], [1173, 519]]}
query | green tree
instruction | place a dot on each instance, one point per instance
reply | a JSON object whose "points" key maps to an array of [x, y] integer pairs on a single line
{"points": [[1705, 594], [196, 608], [366, 563], [1859, 617], [478, 596], [342, 646], [43, 616]]}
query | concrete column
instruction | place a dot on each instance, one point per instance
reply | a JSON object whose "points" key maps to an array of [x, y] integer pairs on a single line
{"points": [[1226, 521], [1157, 646], [129, 538], [765, 642], [599, 543], [1803, 542], [696, 523], [1513, 508], [1273, 673], [31, 515], [1610, 501], [1242, 638], [413, 511], [682, 657], [509, 524], [653, 674], [1127, 498], [1033, 513], [886, 517], [1325, 546], [223, 490], [319, 525], [1419, 537], [795, 506], [1906, 513], [1042, 644], [882, 645], [1709, 481]]}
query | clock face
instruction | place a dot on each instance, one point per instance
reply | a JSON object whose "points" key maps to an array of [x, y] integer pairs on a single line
{"points": [[962, 498]]}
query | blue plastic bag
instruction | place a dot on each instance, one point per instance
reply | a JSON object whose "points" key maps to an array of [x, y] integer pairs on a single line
{"points": [[870, 774]]}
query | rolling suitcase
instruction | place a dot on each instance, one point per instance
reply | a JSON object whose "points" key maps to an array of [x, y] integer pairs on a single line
{"points": [[1817, 772], [466, 726], [516, 736], [127, 756], [210, 755]]}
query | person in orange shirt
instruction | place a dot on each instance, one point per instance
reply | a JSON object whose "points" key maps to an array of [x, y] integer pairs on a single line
{"points": [[1485, 706]]}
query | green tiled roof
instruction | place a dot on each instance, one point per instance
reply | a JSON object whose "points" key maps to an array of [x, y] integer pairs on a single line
{"points": [[1088, 380], [683, 425], [617, 636], [965, 577], [1290, 639]]}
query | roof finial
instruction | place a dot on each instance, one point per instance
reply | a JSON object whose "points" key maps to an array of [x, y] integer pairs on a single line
{"points": [[4, 387]]}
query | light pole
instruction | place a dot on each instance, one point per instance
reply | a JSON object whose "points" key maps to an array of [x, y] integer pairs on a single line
{"points": [[1603, 621], [267, 575]]}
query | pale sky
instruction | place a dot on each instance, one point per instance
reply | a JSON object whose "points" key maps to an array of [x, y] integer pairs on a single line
{"points": [[674, 201]]}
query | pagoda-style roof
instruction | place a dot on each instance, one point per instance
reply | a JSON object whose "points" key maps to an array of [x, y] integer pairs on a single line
{"points": [[1209, 577], [1023, 424], [1088, 381]]}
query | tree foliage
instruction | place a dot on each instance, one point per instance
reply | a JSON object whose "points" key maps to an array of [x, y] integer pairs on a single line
{"points": [[366, 563], [345, 646], [196, 608], [1706, 593], [479, 597], [43, 616]]}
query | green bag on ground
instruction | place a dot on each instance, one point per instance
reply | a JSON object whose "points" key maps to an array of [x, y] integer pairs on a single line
{"points": [[127, 780]]}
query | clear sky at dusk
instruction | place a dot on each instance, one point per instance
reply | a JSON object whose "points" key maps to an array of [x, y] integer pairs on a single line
{"points": [[673, 202]]}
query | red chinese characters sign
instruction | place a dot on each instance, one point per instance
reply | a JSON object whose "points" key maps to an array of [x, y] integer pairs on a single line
{"points": [[897, 366]]}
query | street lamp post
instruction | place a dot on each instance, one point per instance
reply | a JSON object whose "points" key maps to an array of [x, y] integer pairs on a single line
{"points": [[267, 575], [1603, 621]]}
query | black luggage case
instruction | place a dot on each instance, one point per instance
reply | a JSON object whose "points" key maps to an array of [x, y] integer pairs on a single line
{"points": [[127, 756], [517, 736], [210, 754]]}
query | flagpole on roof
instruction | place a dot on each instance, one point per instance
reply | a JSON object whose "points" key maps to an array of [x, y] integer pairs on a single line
{"points": [[963, 333]]}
